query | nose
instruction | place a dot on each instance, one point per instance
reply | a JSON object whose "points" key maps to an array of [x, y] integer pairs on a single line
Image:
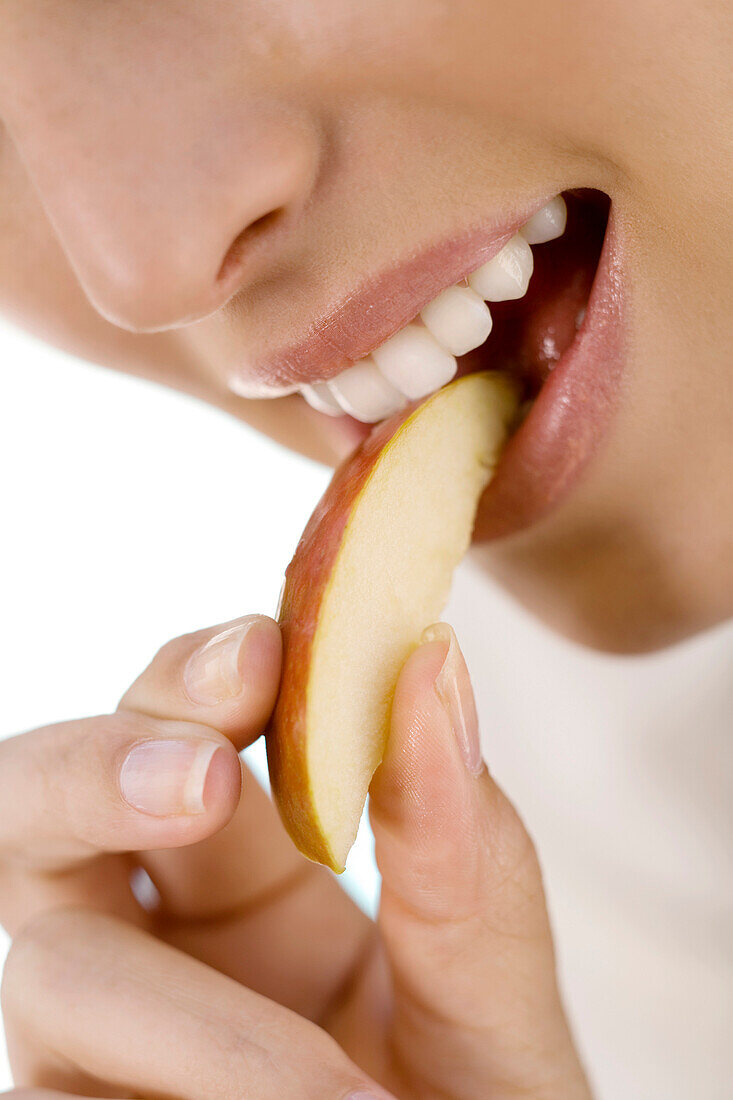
{"points": [[179, 238], [164, 216], [169, 145]]}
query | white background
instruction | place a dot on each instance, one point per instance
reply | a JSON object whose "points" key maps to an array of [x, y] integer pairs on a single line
{"points": [[130, 514]]}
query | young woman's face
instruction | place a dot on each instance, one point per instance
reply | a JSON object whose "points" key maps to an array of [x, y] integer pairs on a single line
{"points": [[242, 197]]}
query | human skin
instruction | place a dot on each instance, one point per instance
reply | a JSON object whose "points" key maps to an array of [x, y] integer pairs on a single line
{"points": [[279, 985], [330, 141]]}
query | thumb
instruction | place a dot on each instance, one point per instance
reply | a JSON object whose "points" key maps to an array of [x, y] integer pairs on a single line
{"points": [[463, 915]]}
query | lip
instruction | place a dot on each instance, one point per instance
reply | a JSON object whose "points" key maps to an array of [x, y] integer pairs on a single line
{"points": [[547, 455], [545, 458], [378, 309]]}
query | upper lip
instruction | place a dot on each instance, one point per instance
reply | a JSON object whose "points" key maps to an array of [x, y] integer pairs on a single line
{"points": [[382, 305]]}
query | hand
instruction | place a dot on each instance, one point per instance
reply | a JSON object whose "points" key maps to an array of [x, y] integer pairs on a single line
{"points": [[451, 995]]}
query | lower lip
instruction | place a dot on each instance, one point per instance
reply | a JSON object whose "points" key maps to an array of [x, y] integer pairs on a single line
{"points": [[547, 455]]}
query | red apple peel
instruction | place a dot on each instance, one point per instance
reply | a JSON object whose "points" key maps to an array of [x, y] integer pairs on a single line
{"points": [[371, 571]]}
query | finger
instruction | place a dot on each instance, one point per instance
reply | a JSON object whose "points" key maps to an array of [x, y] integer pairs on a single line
{"points": [[463, 915], [134, 780], [234, 900], [111, 784], [226, 677], [91, 1000], [38, 1094], [104, 883]]}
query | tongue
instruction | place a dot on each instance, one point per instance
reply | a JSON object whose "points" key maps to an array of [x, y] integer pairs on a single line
{"points": [[550, 325], [530, 335]]}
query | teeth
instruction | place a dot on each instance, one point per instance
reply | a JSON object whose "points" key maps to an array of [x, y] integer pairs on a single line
{"points": [[422, 357], [363, 392], [547, 223], [458, 319], [414, 362], [506, 276], [319, 397]]}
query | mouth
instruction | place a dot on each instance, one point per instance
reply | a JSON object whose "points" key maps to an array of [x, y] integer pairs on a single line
{"points": [[540, 302]]}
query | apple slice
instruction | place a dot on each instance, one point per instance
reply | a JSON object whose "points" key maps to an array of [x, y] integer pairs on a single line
{"points": [[372, 570]]}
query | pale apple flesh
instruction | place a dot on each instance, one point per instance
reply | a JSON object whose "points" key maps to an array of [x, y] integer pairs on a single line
{"points": [[372, 570]]}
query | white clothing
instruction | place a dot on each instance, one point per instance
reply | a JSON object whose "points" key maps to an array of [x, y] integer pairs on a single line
{"points": [[622, 768]]}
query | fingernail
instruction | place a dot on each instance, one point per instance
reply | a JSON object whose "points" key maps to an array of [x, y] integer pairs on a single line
{"points": [[212, 672], [165, 777], [453, 688]]}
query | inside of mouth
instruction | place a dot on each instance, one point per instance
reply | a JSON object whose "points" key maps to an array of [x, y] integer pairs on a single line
{"points": [[531, 334]]}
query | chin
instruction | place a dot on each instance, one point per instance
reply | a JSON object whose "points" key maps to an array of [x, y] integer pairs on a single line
{"points": [[601, 588]]}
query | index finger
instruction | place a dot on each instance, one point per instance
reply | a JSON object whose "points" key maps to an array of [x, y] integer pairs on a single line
{"points": [[226, 677], [86, 991]]}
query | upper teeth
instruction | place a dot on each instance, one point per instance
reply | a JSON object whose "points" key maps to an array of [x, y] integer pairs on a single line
{"points": [[365, 393], [547, 223], [421, 357], [414, 362], [506, 276], [458, 319]]}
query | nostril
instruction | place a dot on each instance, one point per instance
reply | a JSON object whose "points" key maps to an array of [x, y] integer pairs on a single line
{"points": [[242, 243]]}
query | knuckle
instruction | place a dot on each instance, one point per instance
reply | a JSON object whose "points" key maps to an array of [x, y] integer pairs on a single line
{"points": [[169, 654], [30, 1094], [95, 736], [23, 965], [63, 775], [245, 1051], [513, 878], [172, 654], [255, 1051], [42, 958], [106, 735], [40, 772], [512, 849], [163, 674], [240, 1049]]}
